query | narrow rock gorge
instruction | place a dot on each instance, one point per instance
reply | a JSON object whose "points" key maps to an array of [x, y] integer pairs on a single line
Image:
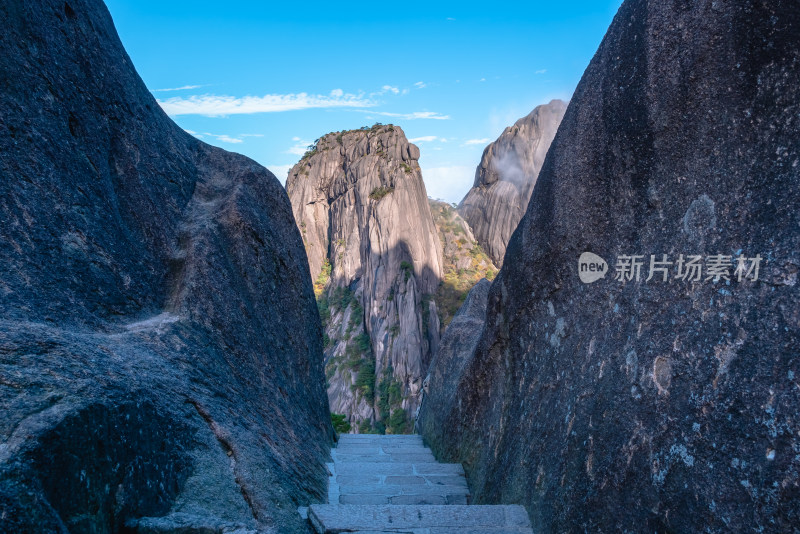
{"points": [[160, 348], [361, 206], [652, 386], [506, 176]]}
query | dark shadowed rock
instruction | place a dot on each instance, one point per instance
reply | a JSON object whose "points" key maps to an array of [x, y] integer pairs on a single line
{"points": [[360, 202], [506, 175], [160, 349], [652, 406], [457, 347]]}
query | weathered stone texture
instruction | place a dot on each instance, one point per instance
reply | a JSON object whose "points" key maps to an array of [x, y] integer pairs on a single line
{"points": [[652, 406], [160, 348]]}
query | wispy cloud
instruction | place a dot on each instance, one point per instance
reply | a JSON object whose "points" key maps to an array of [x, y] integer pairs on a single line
{"points": [[424, 139], [222, 138], [540, 71], [420, 85], [408, 116], [481, 141], [184, 88], [390, 89], [299, 148], [228, 139], [219, 105]]}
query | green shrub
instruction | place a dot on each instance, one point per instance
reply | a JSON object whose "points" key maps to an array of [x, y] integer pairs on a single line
{"points": [[365, 382], [340, 423], [379, 192], [407, 269], [324, 309], [323, 278], [363, 343], [398, 422]]}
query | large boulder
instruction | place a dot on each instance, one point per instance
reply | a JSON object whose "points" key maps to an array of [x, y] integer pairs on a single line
{"points": [[160, 347], [636, 405]]}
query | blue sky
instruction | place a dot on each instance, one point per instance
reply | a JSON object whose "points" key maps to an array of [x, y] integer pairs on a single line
{"points": [[267, 79]]}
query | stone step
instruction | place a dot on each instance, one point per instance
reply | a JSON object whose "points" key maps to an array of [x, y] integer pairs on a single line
{"points": [[433, 480], [424, 519], [410, 489], [376, 448], [396, 468], [379, 438], [400, 457]]}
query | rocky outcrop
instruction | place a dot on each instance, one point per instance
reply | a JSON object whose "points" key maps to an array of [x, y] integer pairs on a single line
{"points": [[456, 349], [465, 262], [360, 203], [160, 350], [650, 405], [506, 175]]}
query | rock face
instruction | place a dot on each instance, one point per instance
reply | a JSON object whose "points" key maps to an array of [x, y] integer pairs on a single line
{"points": [[456, 349], [360, 203], [506, 175], [465, 262], [652, 405], [160, 348]]}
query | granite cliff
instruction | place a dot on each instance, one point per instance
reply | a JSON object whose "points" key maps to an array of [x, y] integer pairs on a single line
{"points": [[465, 262], [506, 176], [160, 348], [360, 202], [668, 404]]}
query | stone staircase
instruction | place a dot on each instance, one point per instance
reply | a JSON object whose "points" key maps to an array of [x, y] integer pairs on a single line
{"points": [[393, 484]]}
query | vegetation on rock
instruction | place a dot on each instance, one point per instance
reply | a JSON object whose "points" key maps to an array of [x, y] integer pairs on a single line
{"points": [[465, 262]]}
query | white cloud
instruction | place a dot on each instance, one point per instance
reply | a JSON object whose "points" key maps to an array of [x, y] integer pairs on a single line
{"points": [[217, 105], [184, 88], [299, 148], [420, 85], [390, 89], [481, 141], [540, 71], [482, 79], [424, 138], [448, 183], [281, 172], [450, 18], [223, 138], [409, 116], [227, 139]]}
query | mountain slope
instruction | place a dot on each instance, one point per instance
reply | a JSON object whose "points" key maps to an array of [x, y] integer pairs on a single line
{"points": [[506, 175], [359, 200]]}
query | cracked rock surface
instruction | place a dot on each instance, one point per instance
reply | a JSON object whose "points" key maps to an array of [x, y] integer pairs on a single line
{"points": [[506, 175], [651, 406], [160, 347], [361, 205]]}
